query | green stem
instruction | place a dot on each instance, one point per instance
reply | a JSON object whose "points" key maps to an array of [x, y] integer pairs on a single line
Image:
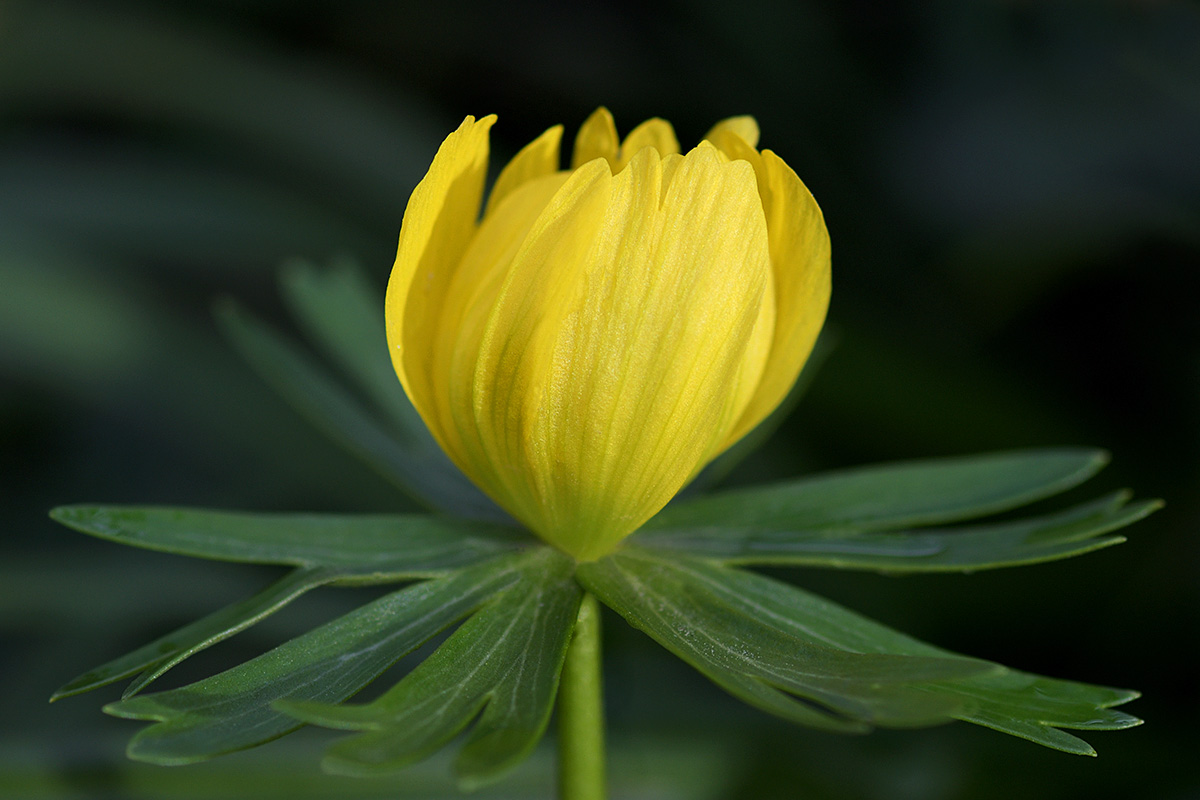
{"points": [[581, 712]]}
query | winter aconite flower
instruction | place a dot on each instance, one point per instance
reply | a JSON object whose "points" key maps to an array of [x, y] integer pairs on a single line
{"points": [[601, 333]]}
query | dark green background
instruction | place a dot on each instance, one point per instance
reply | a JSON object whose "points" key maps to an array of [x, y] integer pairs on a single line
{"points": [[1013, 192]]}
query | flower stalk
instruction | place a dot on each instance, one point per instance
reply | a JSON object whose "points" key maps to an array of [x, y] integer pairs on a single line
{"points": [[581, 758]]}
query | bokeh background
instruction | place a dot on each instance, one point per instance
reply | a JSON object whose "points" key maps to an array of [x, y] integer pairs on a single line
{"points": [[1013, 192]]}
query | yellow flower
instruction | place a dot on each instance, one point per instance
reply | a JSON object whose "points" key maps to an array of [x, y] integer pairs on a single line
{"points": [[601, 333]]}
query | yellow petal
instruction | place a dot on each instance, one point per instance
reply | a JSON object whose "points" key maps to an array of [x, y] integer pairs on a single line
{"points": [[656, 133], [745, 128], [735, 147], [745, 385], [438, 224], [607, 399], [800, 268], [604, 332], [540, 279], [669, 165], [800, 263], [597, 138], [539, 157], [469, 301]]}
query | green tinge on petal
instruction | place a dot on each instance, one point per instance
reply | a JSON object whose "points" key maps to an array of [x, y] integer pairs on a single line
{"points": [[469, 301], [597, 138], [539, 283], [536, 159], [438, 225]]}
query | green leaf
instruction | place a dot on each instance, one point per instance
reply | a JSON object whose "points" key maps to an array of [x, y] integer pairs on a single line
{"points": [[1020, 703], [687, 607], [1035, 707], [329, 407], [501, 667], [155, 658], [1027, 541], [892, 496], [343, 314], [362, 548], [721, 466], [680, 601], [234, 709], [325, 548]]}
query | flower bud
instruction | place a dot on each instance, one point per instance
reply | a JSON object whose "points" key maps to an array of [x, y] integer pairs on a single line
{"points": [[601, 333]]}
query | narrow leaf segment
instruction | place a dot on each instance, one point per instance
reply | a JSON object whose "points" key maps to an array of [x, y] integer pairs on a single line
{"points": [[338, 309], [808, 660], [235, 709], [501, 667], [362, 547], [867, 518], [325, 549], [894, 496], [965, 548], [321, 399], [154, 659]]}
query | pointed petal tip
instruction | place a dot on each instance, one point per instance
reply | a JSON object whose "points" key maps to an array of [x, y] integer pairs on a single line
{"points": [[654, 133], [596, 138], [600, 113], [470, 120], [745, 127], [537, 159]]}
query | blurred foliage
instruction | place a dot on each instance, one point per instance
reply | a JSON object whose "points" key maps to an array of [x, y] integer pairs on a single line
{"points": [[1014, 198]]}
